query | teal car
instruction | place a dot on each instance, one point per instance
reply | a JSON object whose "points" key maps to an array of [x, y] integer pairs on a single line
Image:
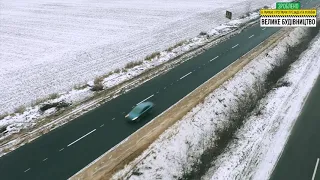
{"points": [[139, 110]]}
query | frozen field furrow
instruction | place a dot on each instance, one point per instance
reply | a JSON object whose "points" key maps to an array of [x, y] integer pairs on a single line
{"points": [[49, 46]]}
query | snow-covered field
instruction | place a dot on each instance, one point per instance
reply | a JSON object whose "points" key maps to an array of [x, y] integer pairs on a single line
{"points": [[48, 46], [31, 116], [251, 156]]}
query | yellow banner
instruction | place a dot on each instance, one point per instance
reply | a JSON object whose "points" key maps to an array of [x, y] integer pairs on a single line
{"points": [[278, 12]]}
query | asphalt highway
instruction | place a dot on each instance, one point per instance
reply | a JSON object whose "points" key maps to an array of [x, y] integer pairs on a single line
{"points": [[67, 149], [300, 158]]}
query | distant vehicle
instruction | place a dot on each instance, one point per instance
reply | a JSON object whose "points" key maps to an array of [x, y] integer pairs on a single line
{"points": [[139, 111]]}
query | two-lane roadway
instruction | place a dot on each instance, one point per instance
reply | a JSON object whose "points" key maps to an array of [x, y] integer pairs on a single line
{"points": [[67, 149]]}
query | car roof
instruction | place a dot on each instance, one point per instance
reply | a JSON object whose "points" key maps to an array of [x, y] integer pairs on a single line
{"points": [[143, 104]]}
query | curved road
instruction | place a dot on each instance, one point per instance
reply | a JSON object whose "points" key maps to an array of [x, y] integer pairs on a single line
{"points": [[67, 149]]}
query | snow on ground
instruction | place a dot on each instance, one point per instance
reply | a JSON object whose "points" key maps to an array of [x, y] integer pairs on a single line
{"points": [[16, 122], [182, 144], [262, 138], [48, 46]]}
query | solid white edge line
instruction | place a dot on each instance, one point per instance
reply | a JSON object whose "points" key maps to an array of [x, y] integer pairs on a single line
{"points": [[234, 46], [185, 75], [251, 36], [146, 99], [27, 170], [214, 58], [81, 137], [315, 169]]}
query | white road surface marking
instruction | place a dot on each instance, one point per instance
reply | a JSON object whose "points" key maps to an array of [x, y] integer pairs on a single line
{"points": [[146, 99], [102, 125], [164, 87], [82, 137], [185, 75], [263, 29], [113, 119], [315, 169], [171, 84], [251, 36], [214, 58], [234, 46], [45, 159], [27, 170], [61, 149]]}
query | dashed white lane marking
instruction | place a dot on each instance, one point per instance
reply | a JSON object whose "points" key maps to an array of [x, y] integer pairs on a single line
{"points": [[315, 169], [82, 137], [157, 92], [185, 75], [214, 58], [146, 99], [61, 149], [263, 29], [113, 119], [251, 36], [171, 84], [27, 170], [234, 46], [45, 159], [102, 125], [164, 87]]}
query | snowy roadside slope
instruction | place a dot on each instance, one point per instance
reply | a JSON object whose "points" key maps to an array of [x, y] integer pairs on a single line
{"points": [[179, 146], [263, 137], [49, 46]]}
